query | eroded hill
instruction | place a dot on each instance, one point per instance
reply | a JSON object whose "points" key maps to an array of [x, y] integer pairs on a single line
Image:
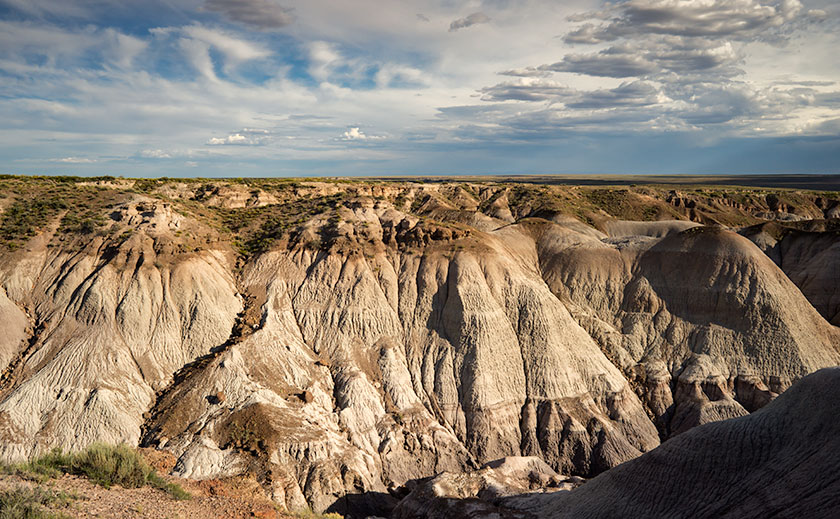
{"points": [[338, 339]]}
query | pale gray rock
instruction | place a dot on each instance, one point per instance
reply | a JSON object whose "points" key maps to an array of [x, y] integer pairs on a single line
{"points": [[478, 493]]}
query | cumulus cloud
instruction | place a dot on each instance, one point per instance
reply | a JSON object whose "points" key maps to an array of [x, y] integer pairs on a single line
{"points": [[244, 137], [589, 33], [683, 64], [468, 21], [354, 133], [260, 14], [660, 67], [681, 61]]}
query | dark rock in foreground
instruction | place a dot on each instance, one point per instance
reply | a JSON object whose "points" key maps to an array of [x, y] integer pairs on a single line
{"points": [[781, 461]]}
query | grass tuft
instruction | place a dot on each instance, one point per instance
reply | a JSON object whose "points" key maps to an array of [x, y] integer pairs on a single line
{"points": [[29, 502], [105, 465]]}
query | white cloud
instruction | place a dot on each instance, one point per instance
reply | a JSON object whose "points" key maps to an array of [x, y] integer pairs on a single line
{"points": [[123, 49], [155, 154], [74, 160], [234, 49], [356, 134], [245, 137], [322, 59]]}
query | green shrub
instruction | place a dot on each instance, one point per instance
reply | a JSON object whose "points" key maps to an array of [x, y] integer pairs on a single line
{"points": [[173, 489], [51, 465], [29, 503], [24, 218], [105, 465]]}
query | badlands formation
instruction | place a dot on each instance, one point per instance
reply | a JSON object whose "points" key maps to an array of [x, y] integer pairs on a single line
{"points": [[340, 341]]}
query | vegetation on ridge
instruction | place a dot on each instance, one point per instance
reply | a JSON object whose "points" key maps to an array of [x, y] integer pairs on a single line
{"points": [[255, 215], [106, 465]]}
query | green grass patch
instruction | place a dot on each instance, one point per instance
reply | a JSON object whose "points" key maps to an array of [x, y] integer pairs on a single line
{"points": [[26, 217], [31, 502], [106, 465]]}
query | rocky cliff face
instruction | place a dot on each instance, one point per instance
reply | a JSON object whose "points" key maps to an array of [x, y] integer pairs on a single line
{"points": [[339, 340], [778, 462]]}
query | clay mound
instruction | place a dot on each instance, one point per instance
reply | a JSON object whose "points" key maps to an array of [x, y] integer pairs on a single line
{"points": [[704, 306], [812, 261], [713, 278], [782, 461]]}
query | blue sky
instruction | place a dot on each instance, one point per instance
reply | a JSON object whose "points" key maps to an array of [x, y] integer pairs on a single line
{"points": [[286, 87]]}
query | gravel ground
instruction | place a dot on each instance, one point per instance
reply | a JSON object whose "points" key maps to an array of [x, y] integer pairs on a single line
{"points": [[230, 498]]}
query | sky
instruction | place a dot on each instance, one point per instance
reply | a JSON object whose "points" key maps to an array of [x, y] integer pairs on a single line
{"points": [[232, 88]]}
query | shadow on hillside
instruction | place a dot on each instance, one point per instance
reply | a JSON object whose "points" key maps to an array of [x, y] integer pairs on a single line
{"points": [[360, 506]]}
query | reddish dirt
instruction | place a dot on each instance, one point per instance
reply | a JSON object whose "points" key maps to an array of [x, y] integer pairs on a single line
{"points": [[235, 498]]}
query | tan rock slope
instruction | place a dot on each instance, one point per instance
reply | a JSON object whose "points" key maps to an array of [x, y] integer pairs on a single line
{"points": [[339, 340], [809, 254], [704, 324]]}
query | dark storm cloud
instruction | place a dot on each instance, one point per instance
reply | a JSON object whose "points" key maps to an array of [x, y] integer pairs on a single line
{"points": [[737, 20], [652, 58], [636, 93], [589, 33], [260, 14], [468, 21], [618, 62], [525, 72], [526, 91]]}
